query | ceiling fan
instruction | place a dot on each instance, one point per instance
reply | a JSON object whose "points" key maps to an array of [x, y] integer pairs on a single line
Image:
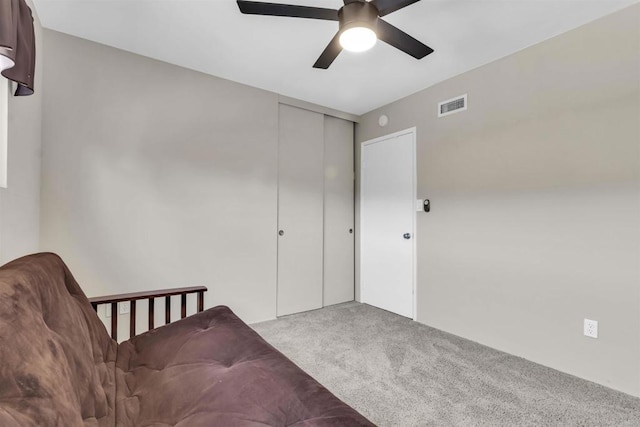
{"points": [[359, 25]]}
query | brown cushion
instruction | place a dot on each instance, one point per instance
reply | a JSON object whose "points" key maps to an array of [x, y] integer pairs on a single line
{"points": [[59, 366], [58, 361], [211, 369]]}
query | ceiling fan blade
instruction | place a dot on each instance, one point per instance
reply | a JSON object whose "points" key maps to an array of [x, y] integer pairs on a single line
{"points": [[401, 40], [276, 9], [330, 53], [385, 7]]}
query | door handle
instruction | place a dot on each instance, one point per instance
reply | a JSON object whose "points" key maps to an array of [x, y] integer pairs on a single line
{"points": [[406, 235], [281, 233]]}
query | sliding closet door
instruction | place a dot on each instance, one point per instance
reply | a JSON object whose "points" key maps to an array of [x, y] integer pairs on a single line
{"points": [[338, 211], [300, 210]]}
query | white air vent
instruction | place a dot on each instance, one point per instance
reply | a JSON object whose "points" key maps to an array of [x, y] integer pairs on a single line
{"points": [[454, 105]]}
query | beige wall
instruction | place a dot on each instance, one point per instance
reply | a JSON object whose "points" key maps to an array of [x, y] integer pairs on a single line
{"points": [[535, 191], [20, 201], [155, 176]]}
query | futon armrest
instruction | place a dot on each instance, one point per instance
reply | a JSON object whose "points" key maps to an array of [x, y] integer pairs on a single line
{"points": [[132, 297]]}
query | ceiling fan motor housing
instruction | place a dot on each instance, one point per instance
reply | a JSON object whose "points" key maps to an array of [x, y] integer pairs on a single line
{"points": [[358, 14]]}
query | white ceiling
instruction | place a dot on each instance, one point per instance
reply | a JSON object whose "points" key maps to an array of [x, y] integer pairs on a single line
{"points": [[277, 54]]}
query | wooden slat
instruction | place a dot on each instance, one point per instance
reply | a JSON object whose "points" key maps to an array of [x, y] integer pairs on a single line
{"points": [[200, 301], [147, 294], [113, 301], [114, 320], [151, 313], [132, 320]]}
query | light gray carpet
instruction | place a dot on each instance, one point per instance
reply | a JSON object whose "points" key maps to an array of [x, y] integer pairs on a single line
{"points": [[398, 372]]}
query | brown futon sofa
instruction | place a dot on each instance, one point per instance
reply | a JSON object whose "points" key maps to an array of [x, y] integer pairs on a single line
{"points": [[59, 366]]}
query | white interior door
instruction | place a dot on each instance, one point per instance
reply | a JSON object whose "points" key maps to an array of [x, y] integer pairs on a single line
{"points": [[338, 211], [387, 222], [300, 206]]}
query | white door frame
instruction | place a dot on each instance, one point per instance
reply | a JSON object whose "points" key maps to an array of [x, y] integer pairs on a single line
{"points": [[411, 131]]}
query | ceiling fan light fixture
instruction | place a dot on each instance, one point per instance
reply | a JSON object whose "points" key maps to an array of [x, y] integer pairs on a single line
{"points": [[359, 26], [358, 39]]}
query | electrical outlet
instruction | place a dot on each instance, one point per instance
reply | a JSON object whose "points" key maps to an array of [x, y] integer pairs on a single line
{"points": [[591, 328], [124, 307]]}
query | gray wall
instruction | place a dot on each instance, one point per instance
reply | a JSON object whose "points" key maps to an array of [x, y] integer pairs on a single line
{"points": [[20, 201], [155, 176], [535, 191]]}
